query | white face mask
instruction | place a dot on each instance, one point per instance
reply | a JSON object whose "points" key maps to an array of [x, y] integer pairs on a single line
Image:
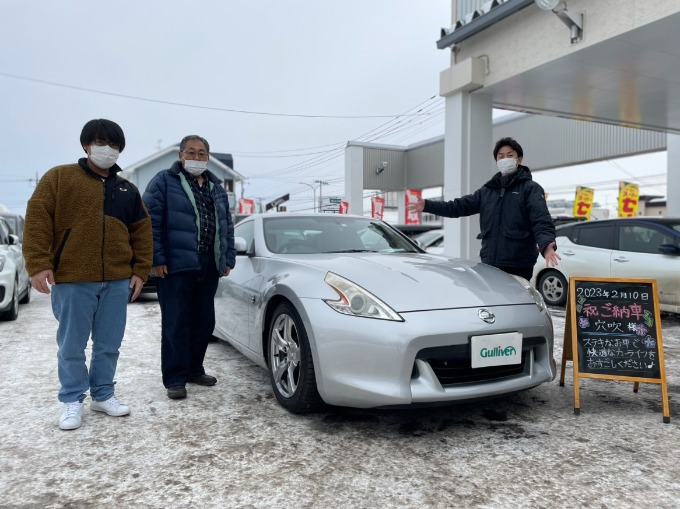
{"points": [[103, 157], [194, 167], [506, 166]]}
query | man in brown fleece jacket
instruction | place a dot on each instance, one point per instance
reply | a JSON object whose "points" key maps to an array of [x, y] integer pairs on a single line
{"points": [[88, 235]]}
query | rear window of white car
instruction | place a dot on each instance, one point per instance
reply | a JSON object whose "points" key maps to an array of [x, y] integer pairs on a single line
{"points": [[601, 236]]}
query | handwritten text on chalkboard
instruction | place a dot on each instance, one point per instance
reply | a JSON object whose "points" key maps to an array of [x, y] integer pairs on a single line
{"points": [[615, 329]]}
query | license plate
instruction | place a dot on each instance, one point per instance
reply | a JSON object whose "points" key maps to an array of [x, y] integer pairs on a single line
{"points": [[496, 349]]}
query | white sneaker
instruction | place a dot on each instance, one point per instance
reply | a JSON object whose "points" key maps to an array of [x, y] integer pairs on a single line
{"points": [[71, 416], [111, 406]]}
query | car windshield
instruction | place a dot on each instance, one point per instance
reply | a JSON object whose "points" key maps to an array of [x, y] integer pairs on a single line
{"points": [[332, 234]]}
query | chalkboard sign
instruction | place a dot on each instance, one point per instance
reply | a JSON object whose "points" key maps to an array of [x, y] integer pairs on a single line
{"points": [[613, 331], [616, 329]]}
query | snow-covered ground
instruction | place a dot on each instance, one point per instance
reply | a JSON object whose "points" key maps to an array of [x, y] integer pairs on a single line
{"points": [[232, 445]]}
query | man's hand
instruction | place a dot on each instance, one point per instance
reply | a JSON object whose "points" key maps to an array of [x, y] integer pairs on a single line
{"points": [[42, 281], [551, 256], [227, 271], [136, 283], [416, 206], [160, 271]]}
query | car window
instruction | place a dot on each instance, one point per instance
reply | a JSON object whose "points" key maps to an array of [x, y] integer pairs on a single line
{"points": [[16, 224], [601, 236], [437, 243], [426, 239], [246, 230], [4, 232], [331, 234], [642, 239]]}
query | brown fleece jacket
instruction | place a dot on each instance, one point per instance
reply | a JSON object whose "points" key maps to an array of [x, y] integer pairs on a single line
{"points": [[87, 228]]}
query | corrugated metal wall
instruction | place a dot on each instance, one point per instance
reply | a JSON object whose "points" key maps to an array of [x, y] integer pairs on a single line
{"points": [[464, 7], [425, 166], [393, 176], [548, 142], [553, 142]]}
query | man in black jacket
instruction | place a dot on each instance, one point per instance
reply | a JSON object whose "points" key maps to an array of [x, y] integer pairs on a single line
{"points": [[513, 215]]}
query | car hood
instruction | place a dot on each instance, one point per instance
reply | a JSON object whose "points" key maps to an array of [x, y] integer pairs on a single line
{"points": [[413, 281]]}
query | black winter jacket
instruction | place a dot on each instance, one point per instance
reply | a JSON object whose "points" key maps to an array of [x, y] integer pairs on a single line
{"points": [[513, 218]]}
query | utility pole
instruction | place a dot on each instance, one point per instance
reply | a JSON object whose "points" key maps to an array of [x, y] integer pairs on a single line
{"points": [[313, 189], [321, 184]]}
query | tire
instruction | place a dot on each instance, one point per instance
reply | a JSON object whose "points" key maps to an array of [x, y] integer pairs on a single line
{"points": [[554, 288], [291, 367], [13, 312], [27, 297]]}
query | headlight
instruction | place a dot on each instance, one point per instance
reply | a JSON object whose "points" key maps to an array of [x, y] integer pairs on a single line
{"points": [[356, 301], [3, 259], [538, 298]]}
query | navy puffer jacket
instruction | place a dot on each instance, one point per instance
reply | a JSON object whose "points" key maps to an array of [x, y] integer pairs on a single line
{"points": [[513, 218], [174, 219]]}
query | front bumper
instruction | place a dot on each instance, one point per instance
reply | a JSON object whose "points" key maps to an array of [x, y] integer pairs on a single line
{"points": [[363, 363]]}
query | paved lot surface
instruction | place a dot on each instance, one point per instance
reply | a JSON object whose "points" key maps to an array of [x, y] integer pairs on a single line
{"points": [[233, 446]]}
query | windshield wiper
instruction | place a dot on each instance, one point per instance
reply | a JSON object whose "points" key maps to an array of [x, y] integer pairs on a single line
{"points": [[353, 251]]}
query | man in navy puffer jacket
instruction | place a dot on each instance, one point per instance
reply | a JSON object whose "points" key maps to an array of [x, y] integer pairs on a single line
{"points": [[193, 246]]}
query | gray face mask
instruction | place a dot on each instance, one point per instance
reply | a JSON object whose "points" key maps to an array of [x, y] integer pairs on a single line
{"points": [[194, 167], [507, 165]]}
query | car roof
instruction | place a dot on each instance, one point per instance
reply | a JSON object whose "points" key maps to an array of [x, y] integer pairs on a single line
{"points": [[10, 214], [665, 221]]}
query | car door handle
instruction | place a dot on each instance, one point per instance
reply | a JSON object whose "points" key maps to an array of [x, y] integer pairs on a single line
{"points": [[621, 259], [568, 253]]}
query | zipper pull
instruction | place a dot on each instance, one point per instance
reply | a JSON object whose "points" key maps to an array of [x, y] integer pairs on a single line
{"points": [[502, 192]]}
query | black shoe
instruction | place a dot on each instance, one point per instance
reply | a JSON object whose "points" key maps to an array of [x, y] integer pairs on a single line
{"points": [[202, 380], [178, 392]]}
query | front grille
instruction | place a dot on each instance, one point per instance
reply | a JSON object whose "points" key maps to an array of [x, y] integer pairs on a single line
{"points": [[452, 364]]}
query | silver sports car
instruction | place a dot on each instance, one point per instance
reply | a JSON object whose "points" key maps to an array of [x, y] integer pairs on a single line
{"points": [[346, 310]]}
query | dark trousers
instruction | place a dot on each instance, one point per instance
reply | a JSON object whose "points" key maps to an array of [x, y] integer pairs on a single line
{"points": [[187, 301], [525, 272]]}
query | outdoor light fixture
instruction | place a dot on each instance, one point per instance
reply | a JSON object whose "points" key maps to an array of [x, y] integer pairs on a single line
{"points": [[381, 167], [573, 21]]}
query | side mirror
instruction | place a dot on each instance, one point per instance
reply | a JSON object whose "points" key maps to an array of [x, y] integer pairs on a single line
{"points": [[13, 239], [241, 245], [669, 249]]}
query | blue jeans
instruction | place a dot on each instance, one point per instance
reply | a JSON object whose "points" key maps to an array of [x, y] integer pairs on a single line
{"points": [[82, 309], [187, 301]]}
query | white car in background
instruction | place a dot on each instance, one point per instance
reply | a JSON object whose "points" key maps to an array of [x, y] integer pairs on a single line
{"points": [[15, 285], [639, 247]]}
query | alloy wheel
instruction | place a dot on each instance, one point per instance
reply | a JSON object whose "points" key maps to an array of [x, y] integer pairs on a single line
{"points": [[284, 355]]}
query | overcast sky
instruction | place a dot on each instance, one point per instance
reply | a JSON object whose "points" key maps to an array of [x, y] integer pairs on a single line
{"points": [[165, 69]]}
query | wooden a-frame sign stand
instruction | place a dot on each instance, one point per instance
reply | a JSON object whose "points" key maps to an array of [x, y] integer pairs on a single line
{"points": [[570, 351]]}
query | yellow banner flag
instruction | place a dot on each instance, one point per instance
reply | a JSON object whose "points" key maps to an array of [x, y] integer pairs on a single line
{"points": [[583, 202], [629, 197]]}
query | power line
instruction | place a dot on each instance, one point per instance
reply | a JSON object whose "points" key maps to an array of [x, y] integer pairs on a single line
{"points": [[196, 106], [329, 155]]}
